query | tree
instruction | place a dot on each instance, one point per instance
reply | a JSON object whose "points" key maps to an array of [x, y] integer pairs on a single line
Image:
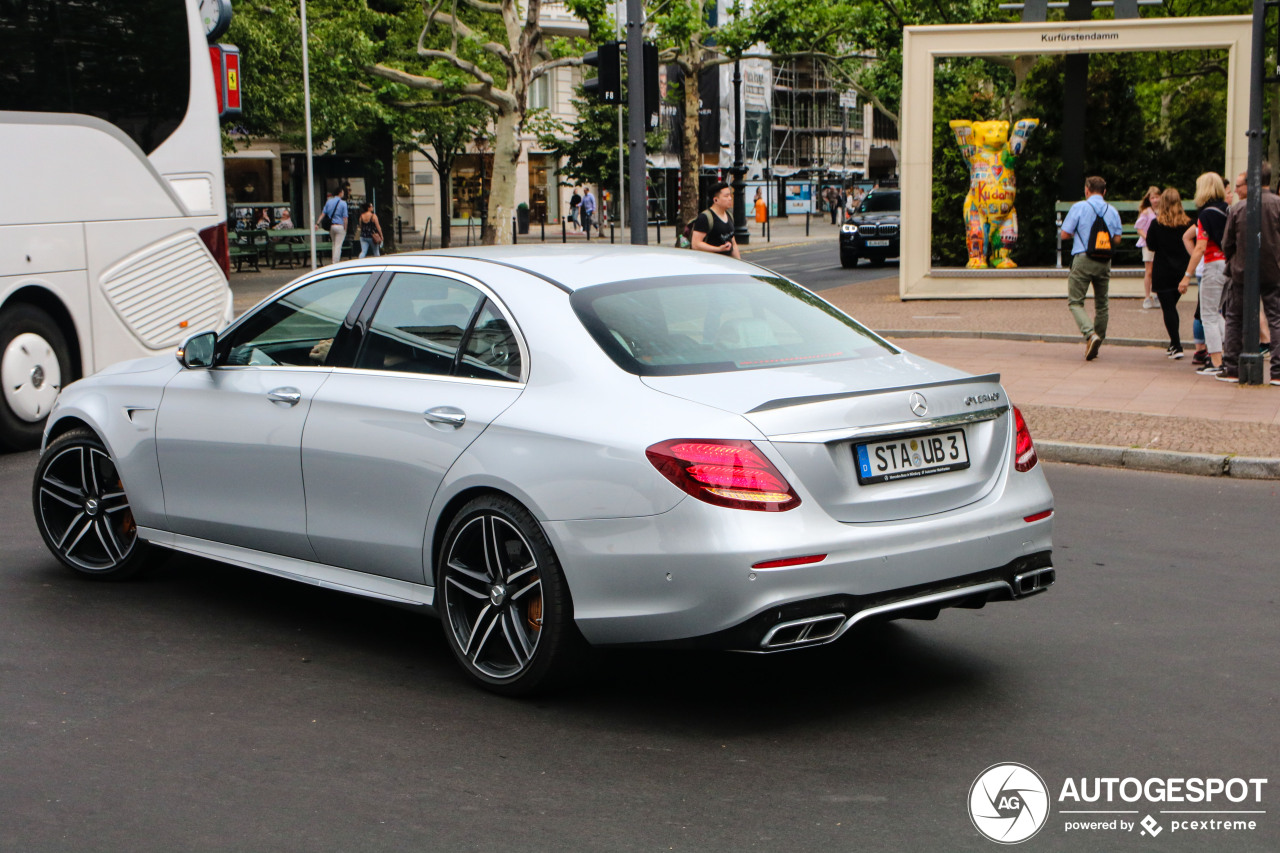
{"points": [[487, 53], [440, 135]]}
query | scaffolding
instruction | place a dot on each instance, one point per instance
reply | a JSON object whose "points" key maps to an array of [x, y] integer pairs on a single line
{"points": [[811, 130]]}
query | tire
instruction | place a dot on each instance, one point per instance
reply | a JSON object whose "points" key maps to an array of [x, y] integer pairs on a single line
{"points": [[848, 260], [507, 614], [877, 260], [83, 512], [34, 362]]}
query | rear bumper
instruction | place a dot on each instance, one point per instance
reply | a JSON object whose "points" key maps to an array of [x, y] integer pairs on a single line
{"points": [[687, 576]]}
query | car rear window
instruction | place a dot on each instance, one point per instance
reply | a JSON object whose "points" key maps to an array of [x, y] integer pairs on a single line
{"points": [[712, 324]]}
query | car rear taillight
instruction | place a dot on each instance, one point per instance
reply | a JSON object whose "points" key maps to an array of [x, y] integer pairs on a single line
{"points": [[1024, 452], [726, 473], [215, 240]]}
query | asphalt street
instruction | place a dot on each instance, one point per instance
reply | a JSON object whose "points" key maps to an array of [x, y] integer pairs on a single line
{"points": [[209, 708], [816, 265]]}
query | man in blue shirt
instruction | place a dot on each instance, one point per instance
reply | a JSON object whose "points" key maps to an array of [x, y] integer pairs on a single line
{"points": [[588, 210], [1086, 270]]}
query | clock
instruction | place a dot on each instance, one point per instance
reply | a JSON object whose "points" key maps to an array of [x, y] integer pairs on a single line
{"points": [[216, 17]]}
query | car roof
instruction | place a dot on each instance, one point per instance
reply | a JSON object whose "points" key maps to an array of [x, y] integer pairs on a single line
{"points": [[579, 266]]}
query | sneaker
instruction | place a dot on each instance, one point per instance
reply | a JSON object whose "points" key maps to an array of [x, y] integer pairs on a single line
{"points": [[1150, 302], [1275, 382], [1201, 357], [1209, 370], [1091, 347], [1228, 377], [1176, 352]]}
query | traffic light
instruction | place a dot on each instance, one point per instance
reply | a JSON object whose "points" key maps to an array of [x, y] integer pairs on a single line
{"points": [[651, 100], [606, 87]]}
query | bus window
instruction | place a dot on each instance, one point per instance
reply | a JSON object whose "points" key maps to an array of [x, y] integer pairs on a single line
{"points": [[115, 60]]}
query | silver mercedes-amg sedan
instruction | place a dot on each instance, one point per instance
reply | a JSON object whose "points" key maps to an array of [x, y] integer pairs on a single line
{"points": [[559, 449]]}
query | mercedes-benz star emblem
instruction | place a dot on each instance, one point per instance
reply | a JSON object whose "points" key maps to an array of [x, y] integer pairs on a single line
{"points": [[919, 404]]}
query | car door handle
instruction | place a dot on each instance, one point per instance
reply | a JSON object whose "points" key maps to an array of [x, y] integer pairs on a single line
{"points": [[288, 396], [446, 415]]}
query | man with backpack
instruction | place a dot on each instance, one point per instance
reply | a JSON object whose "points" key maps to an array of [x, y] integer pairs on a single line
{"points": [[713, 230], [1094, 228]]}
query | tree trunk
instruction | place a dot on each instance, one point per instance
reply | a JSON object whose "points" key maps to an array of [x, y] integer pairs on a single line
{"points": [[689, 170], [446, 200], [502, 187]]}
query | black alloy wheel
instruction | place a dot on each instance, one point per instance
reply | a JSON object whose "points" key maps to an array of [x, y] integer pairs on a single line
{"points": [[507, 613], [82, 510]]}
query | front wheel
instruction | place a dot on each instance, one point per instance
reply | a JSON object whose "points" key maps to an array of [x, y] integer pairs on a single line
{"points": [[848, 260], [34, 363], [82, 510], [505, 605]]}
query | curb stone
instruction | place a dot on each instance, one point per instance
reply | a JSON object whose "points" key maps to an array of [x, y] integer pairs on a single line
{"points": [[1167, 461], [1013, 336]]}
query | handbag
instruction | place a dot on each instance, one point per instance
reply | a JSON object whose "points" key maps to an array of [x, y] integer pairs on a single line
{"points": [[325, 222]]}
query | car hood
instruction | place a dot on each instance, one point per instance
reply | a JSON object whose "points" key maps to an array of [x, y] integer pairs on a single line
{"points": [[891, 216], [140, 365]]}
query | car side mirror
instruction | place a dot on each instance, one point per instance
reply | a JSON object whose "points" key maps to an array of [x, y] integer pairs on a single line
{"points": [[198, 350]]}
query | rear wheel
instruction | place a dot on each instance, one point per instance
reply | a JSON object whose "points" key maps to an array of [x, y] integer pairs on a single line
{"points": [[82, 510], [34, 362], [505, 605], [848, 259]]}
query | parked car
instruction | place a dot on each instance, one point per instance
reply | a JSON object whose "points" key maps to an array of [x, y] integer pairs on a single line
{"points": [[872, 231], [557, 449]]}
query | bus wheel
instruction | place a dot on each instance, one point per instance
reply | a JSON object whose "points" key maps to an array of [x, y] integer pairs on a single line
{"points": [[33, 361]]}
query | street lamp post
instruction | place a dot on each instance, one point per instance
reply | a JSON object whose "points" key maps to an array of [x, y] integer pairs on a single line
{"points": [[306, 106], [741, 235]]}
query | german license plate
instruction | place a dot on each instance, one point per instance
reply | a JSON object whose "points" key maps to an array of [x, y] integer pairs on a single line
{"points": [[877, 243], [919, 456]]}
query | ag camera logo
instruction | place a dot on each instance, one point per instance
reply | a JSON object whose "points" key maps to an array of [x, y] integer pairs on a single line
{"points": [[1008, 803]]}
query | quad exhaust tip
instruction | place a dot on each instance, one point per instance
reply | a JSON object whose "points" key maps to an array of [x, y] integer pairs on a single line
{"points": [[817, 630]]}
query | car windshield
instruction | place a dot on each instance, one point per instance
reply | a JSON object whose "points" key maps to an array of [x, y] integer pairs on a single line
{"points": [[717, 324], [881, 203]]}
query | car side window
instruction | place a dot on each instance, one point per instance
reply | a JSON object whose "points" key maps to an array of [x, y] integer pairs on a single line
{"points": [[491, 351], [298, 328], [419, 324]]}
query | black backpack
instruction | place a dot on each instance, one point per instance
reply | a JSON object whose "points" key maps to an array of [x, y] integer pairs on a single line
{"points": [[1099, 245], [684, 240]]}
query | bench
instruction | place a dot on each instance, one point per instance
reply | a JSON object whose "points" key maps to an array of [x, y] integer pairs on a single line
{"points": [[241, 255], [1128, 211]]}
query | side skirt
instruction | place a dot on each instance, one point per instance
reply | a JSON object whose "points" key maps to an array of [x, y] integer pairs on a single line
{"points": [[390, 590]]}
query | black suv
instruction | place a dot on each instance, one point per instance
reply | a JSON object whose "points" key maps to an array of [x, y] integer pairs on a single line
{"points": [[872, 231]]}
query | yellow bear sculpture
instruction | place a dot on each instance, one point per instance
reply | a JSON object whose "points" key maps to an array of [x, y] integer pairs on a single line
{"points": [[991, 222]]}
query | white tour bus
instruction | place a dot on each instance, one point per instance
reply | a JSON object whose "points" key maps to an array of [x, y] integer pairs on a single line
{"points": [[113, 240]]}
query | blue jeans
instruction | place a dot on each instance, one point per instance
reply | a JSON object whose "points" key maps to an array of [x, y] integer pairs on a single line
{"points": [[368, 247]]}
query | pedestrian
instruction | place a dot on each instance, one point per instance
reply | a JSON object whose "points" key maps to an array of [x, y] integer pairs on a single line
{"points": [[588, 210], [264, 220], [335, 211], [1091, 251], [1147, 213], [1168, 272], [713, 229], [1205, 245], [1264, 333], [850, 203], [575, 201], [1233, 243], [834, 197], [762, 208], [286, 221], [370, 232]]}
